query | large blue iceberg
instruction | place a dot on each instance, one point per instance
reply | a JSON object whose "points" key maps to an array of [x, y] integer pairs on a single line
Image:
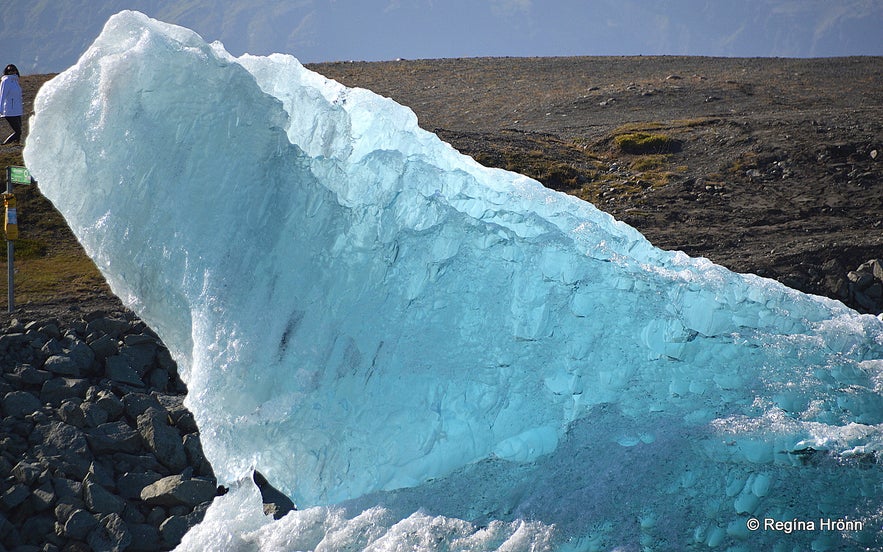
{"points": [[426, 353]]}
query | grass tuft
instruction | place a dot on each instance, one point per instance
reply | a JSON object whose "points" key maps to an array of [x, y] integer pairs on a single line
{"points": [[642, 143]]}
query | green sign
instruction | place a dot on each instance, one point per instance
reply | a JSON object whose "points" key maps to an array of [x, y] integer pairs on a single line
{"points": [[18, 175]]}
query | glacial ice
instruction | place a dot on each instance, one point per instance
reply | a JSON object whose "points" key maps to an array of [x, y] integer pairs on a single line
{"points": [[425, 353]]}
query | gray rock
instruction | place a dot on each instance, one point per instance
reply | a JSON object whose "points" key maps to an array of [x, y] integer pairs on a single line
{"points": [[135, 340], [130, 485], [67, 489], [52, 347], [195, 456], [178, 413], [5, 527], [101, 474], [50, 328], [158, 378], [173, 530], [109, 326], [12, 341], [145, 538], [165, 361], [138, 463], [37, 528], [43, 497], [138, 403], [62, 365], [64, 510], [71, 413], [111, 404], [861, 280], [32, 376], [26, 472], [111, 535], [104, 347], [58, 389], [93, 414], [14, 496], [139, 352], [112, 437], [19, 404], [118, 369], [79, 524], [174, 490], [156, 516], [162, 439], [64, 446], [82, 355], [99, 500]]}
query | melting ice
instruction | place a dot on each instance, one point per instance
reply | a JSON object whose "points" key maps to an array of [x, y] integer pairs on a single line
{"points": [[425, 353]]}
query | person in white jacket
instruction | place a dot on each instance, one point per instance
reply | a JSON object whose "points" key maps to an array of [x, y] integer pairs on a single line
{"points": [[11, 107]]}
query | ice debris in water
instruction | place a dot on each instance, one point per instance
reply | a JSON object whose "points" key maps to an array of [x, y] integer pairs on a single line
{"points": [[426, 353]]}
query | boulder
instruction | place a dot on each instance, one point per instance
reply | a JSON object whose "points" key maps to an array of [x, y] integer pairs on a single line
{"points": [[62, 365], [130, 485], [112, 437], [173, 530], [63, 446], [56, 390], [145, 538], [14, 496], [29, 375], [111, 404], [138, 403], [175, 490], [162, 439], [111, 535], [19, 404], [27, 472], [99, 500], [119, 369], [104, 346], [79, 524]]}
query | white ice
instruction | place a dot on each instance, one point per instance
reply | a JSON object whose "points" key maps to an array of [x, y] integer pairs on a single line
{"points": [[425, 353]]}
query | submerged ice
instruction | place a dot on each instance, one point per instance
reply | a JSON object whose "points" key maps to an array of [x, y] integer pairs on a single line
{"points": [[425, 353]]}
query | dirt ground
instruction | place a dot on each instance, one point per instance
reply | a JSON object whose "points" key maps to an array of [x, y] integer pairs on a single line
{"points": [[769, 166]]}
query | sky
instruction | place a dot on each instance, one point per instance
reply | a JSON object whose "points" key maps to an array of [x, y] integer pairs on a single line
{"points": [[49, 35]]}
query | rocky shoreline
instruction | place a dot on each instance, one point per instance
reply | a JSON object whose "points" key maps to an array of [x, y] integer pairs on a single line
{"points": [[98, 451]]}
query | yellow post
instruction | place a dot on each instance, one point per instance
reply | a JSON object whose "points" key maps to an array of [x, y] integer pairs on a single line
{"points": [[11, 227]]}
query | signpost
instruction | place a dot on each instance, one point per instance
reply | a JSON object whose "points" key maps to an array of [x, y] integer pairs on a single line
{"points": [[14, 175]]}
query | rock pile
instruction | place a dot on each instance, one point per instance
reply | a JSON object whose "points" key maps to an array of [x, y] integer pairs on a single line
{"points": [[97, 451], [861, 288], [865, 287]]}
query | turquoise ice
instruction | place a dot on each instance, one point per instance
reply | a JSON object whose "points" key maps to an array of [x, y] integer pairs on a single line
{"points": [[424, 352]]}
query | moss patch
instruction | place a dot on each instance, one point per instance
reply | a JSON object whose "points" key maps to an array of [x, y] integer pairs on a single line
{"points": [[641, 143]]}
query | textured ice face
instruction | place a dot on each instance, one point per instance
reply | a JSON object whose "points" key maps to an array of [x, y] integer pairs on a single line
{"points": [[369, 317]]}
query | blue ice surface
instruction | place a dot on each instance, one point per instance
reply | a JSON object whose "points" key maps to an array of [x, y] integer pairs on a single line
{"points": [[426, 353]]}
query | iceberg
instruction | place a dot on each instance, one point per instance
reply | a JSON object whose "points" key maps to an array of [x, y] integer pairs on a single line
{"points": [[428, 354]]}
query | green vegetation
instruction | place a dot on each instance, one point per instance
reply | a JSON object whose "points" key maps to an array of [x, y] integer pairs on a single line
{"points": [[640, 143], [537, 164]]}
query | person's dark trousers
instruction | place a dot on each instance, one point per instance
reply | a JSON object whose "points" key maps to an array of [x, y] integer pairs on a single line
{"points": [[15, 123]]}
